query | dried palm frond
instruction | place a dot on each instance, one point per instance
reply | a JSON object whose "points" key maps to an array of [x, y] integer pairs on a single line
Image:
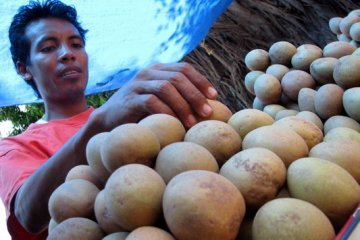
{"points": [[251, 24]]}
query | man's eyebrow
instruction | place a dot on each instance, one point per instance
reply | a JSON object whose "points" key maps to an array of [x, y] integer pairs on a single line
{"points": [[75, 36], [52, 38], [45, 39]]}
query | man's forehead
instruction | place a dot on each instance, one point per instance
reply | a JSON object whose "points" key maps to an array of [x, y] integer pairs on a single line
{"points": [[49, 27]]}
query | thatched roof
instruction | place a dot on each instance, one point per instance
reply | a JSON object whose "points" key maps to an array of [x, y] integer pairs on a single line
{"points": [[251, 24]]}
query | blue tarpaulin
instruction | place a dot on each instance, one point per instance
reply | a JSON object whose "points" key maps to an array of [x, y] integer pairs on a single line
{"points": [[124, 36]]}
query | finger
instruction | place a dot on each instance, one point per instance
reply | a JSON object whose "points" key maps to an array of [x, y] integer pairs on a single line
{"points": [[144, 105], [170, 97], [130, 104], [199, 80], [189, 92]]}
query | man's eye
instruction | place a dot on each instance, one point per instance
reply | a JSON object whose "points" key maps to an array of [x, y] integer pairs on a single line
{"points": [[48, 49], [77, 45]]}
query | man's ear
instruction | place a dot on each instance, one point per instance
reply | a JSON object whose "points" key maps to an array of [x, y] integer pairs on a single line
{"points": [[22, 70]]}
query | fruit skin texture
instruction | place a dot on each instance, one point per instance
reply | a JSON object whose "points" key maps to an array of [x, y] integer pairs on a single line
{"points": [[116, 236], [84, 172], [281, 53], [345, 153], [305, 55], [285, 113], [351, 101], [346, 71], [342, 38], [284, 142], [257, 59], [52, 225], [341, 121], [258, 173], [129, 143], [312, 117], [203, 205], [216, 136], [277, 70], [294, 80], [183, 156], [338, 49], [356, 52], [306, 99], [93, 156], [346, 23], [167, 128], [328, 100], [103, 216], [267, 88], [74, 198], [76, 228], [322, 70], [334, 24], [273, 109], [133, 195], [326, 185], [250, 79], [342, 133], [355, 31], [258, 104], [149, 233], [246, 120], [220, 111], [290, 218], [306, 129]]}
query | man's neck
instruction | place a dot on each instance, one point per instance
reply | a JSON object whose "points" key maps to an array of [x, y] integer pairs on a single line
{"points": [[64, 110]]}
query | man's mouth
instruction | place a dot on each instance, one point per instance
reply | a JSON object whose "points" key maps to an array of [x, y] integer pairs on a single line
{"points": [[72, 71], [69, 73]]}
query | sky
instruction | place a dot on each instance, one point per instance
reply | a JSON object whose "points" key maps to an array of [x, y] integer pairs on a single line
{"points": [[5, 128]]}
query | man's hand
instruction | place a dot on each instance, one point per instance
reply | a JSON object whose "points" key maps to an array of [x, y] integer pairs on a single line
{"points": [[176, 89]]}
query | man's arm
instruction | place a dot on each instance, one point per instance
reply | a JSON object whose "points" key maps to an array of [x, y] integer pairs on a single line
{"points": [[31, 202], [176, 89]]}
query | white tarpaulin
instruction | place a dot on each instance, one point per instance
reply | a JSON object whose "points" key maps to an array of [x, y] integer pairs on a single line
{"points": [[124, 36]]}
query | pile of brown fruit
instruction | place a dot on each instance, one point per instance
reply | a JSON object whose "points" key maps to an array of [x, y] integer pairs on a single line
{"points": [[289, 168]]}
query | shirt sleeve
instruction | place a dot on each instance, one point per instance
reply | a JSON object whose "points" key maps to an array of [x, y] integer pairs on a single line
{"points": [[16, 165]]}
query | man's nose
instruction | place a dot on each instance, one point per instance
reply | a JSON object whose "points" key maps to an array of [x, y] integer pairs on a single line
{"points": [[66, 53]]}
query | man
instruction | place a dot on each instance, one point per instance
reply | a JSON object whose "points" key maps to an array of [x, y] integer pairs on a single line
{"points": [[48, 50]]}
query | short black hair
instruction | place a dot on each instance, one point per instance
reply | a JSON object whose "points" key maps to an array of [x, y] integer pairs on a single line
{"points": [[35, 10]]}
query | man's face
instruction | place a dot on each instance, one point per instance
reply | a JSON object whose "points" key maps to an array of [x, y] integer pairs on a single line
{"points": [[58, 61]]}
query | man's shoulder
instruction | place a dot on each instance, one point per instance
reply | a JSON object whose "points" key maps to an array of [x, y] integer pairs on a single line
{"points": [[15, 142], [35, 135], [54, 132]]}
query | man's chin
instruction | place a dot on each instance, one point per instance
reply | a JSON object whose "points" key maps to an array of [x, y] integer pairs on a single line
{"points": [[71, 96]]}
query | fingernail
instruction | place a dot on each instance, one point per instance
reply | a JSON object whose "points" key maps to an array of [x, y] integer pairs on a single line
{"points": [[191, 120], [212, 92], [206, 110]]}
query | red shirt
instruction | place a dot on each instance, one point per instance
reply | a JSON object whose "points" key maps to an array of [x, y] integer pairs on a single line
{"points": [[21, 155]]}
